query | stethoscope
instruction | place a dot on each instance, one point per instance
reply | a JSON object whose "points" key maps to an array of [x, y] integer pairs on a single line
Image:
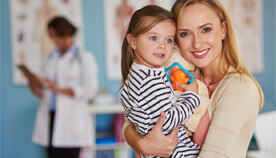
{"points": [[51, 60]]}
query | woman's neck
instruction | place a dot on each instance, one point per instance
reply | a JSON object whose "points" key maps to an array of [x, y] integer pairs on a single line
{"points": [[213, 75], [64, 50]]}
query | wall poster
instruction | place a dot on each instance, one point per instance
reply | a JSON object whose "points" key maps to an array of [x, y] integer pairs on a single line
{"points": [[30, 41], [117, 14], [247, 19]]}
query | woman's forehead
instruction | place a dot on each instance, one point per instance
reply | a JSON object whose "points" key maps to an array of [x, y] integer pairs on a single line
{"points": [[196, 15]]}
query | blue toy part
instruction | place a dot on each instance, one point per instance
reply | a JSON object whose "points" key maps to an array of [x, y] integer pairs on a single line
{"points": [[182, 68]]}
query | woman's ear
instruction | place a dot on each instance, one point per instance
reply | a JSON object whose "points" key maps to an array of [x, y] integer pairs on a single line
{"points": [[131, 41], [224, 30]]}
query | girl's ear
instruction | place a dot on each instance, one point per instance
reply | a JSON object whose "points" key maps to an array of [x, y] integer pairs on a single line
{"points": [[131, 41]]}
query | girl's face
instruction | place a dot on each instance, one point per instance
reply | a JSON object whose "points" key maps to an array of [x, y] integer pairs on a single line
{"points": [[199, 35], [154, 47]]}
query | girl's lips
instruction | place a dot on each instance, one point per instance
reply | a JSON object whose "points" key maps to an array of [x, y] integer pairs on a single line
{"points": [[201, 54], [159, 54]]}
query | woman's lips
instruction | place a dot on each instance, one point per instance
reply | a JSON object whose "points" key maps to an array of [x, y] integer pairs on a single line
{"points": [[201, 54]]}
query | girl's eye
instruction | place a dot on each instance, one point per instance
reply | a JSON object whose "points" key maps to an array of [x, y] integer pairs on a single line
{"points": [[154, 38], [169, 41], [207, 29], [183, 34]]}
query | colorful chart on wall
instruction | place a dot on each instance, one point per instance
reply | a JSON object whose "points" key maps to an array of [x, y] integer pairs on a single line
{"points": [[30, 40], [117, 14], [247, 19]]}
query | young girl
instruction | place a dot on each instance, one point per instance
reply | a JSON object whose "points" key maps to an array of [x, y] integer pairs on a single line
{"points": [[146, 91]]}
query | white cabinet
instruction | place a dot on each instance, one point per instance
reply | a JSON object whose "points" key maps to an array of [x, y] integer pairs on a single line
{"points": [[121, 150]]}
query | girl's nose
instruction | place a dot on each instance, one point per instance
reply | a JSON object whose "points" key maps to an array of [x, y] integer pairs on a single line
{"points": [[161, 44]]}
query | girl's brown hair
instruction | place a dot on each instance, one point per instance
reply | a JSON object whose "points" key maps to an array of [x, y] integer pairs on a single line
{"points": [[231, 53], [141, 21]]}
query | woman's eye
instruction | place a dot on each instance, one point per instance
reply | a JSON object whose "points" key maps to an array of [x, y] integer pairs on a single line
{"points": [[154, 38], [183, 34], [206, 29], [169, 41]]}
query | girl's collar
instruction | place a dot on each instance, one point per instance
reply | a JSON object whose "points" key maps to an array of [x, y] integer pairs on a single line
{"points": [[138, 66]]}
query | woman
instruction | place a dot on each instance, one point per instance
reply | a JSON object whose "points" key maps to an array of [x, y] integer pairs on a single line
{"points": [[68, 82], [206, 38]]}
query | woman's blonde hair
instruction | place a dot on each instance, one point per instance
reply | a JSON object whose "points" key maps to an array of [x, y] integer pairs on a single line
{"points": [[231, 54], [141, 21]]}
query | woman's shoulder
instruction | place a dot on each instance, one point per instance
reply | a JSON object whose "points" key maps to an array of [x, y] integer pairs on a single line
{"points": [[84, 52], [86, 55], [236, 89], [239, 83], [236, 78]]}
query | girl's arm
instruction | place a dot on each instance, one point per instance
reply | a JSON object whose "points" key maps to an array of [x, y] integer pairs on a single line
{"points": [[182, 110], [155, 143]]}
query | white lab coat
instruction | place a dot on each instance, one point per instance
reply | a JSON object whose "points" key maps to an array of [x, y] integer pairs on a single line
{"points": [[73, 122]]}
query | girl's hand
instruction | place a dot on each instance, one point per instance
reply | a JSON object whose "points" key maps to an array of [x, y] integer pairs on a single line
{"points": [[194, 74], [156, 143], [189, 87]]}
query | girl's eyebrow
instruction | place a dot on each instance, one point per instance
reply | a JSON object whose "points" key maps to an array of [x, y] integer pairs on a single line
{"points": [[201, 26], [156, 33]]}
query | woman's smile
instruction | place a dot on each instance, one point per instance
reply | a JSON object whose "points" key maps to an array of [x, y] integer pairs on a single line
{"points": [[201, 53]]}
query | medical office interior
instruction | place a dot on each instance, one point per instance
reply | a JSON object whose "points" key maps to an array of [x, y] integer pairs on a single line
{"points": [[18, 105]]}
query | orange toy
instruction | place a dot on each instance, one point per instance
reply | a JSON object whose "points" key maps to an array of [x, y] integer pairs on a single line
{"points": [[178, 76]]}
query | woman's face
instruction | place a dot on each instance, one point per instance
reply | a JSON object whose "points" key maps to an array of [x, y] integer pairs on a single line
{"points": [[199, 35], [63, 43]]}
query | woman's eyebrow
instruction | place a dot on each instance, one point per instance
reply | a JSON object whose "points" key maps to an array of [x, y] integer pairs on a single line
{"points": [[201, 26], [183, 30]]}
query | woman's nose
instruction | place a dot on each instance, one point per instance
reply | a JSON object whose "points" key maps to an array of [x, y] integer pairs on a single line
{"points": [[197, 41]]}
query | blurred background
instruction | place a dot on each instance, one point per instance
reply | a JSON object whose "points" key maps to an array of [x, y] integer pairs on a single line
{"points": [[93, 17]]}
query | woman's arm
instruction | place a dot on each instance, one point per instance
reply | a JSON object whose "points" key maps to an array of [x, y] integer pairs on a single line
{"points": [[155, 143], [233, 120], [55, 88]]}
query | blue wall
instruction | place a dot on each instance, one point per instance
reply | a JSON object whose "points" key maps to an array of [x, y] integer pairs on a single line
{"points": [[18, 106], [267, 79]]}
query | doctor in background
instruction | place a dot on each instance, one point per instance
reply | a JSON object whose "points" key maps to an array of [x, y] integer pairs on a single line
{"points": [[68, 81]]}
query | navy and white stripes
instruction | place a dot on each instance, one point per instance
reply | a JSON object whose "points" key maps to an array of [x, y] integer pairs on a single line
{"points": [[146, 93]]}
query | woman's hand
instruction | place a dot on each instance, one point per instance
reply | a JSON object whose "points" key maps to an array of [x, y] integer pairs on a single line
{"points": [[156, 143], [34, 83], [51, 85]]}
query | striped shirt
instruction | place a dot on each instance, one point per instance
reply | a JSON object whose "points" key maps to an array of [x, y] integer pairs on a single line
{"points": [[146, 93]]}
